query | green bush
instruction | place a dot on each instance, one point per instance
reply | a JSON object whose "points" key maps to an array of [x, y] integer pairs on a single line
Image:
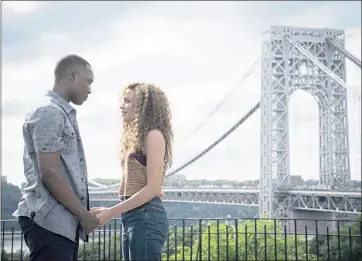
{"points": [[348, 248]]}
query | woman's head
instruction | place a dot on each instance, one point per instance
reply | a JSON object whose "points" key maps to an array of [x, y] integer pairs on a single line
{"points": [[145, 107]]}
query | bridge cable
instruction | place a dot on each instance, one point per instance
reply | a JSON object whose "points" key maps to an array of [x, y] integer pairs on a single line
{"points": [[236, 125], [104, 188], [224, 99], [97, 184], [340, 48], [209, 116], [321, 66]]}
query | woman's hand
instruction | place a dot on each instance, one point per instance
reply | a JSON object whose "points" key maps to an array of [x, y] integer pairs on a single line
{"points": [[103, 214]]}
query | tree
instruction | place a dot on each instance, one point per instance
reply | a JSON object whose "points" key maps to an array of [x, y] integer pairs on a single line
{"points": [[259, 240], [252, 239], [346, 246], [12, 194], [15, 256]]}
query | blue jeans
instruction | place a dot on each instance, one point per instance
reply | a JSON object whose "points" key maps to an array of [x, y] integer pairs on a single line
{"points": [[45, 245], [144, 231]]}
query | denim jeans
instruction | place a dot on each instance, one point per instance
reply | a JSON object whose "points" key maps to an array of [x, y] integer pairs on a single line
{"points": [[45, 245], [144, 231]]}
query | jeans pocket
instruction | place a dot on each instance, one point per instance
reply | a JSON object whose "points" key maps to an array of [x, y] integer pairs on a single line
{"points": [[26, 224], [161, 220], [135, 218], [33, 234]]}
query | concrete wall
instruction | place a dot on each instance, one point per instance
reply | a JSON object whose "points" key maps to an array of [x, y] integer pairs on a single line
{"points": [[314, 219]]}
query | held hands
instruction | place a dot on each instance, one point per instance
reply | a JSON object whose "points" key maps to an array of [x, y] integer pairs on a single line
{"points": [[103, 214], [88, 222]]}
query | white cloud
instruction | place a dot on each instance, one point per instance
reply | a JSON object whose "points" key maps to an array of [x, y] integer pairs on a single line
{"points": [[21, 7], [195, 51]]}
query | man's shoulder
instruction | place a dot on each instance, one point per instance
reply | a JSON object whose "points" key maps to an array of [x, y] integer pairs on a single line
{"points": [[46, 109]]}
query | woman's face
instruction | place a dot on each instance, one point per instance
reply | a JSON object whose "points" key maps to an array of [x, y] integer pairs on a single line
{"points": [[127, 106]]}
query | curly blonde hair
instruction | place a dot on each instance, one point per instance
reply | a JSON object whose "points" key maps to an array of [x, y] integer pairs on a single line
{"points": [[152, 111]]}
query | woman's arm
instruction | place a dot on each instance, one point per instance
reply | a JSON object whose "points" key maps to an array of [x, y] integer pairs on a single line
{"points": [[155, 153]]}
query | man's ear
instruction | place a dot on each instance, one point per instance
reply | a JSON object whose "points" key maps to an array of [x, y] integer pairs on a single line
{"points": [[72, 75]]}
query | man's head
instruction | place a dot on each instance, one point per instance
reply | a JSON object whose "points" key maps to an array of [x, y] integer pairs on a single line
{"points": [[75, 76]]}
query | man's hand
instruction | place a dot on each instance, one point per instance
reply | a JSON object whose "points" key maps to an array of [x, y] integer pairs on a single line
{"points": [[103, 214], [89, 222]]}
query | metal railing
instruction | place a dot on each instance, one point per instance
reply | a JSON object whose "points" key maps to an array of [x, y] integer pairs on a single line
{"points": [[221, 239]]}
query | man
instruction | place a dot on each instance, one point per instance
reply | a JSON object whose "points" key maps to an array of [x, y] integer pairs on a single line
{"points": [[53, 212]]}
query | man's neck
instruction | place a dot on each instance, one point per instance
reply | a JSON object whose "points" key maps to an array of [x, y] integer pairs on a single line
{"points": [[59, 90]]}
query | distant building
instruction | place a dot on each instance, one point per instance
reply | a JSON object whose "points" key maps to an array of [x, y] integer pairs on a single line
{"points": [[296, 180], [4, 178]]}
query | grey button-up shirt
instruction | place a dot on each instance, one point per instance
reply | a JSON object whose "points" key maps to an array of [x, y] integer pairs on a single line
{"points": [[53, 127]]}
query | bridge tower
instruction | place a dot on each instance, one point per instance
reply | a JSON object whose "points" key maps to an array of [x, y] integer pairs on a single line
{"points": [[358, 132], [292, 59]]}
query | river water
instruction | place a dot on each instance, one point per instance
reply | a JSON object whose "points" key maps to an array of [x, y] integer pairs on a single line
{"points": [[15, 243]]}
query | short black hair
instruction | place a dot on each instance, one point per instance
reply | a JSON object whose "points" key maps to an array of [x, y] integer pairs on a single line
{"points": [[66, 63]]}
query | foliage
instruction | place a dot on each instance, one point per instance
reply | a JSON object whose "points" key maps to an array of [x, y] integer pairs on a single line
{"points": [[268, 243], [258, 239], [182, 181], [108, 249], [269, 237], [15, 256], [12, 194], [346, 246]]}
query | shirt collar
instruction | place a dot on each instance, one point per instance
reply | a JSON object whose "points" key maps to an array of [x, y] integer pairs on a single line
{"points": [[59, 100]]}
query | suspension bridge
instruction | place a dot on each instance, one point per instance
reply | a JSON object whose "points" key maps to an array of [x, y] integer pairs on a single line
{"points": [[313, 60]]}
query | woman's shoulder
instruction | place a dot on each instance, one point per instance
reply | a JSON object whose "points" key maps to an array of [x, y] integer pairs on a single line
{"points": [[154, 140], [154, 134]]}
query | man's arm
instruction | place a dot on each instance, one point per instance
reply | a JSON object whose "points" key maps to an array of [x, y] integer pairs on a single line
{"points": [[49, 168], [46, 128]]}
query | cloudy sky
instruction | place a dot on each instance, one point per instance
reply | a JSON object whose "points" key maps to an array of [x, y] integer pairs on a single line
{"points": [[196, 51]]}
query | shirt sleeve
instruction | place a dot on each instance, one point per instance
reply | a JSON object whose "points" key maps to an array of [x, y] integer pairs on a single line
{"points": [[46, 129]]}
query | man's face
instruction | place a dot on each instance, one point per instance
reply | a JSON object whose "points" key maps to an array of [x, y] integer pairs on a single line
{"points": [[81, 78]]}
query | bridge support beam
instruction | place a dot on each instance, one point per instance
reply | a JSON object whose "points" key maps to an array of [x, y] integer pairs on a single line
{"points": [[292, 59], [312, 220]]}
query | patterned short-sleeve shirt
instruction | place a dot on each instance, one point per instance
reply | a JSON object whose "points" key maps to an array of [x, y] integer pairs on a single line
{"points": [[53, 127]]}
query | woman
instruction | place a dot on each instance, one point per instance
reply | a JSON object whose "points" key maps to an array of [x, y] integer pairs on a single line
{"points": [[146, 153]]}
